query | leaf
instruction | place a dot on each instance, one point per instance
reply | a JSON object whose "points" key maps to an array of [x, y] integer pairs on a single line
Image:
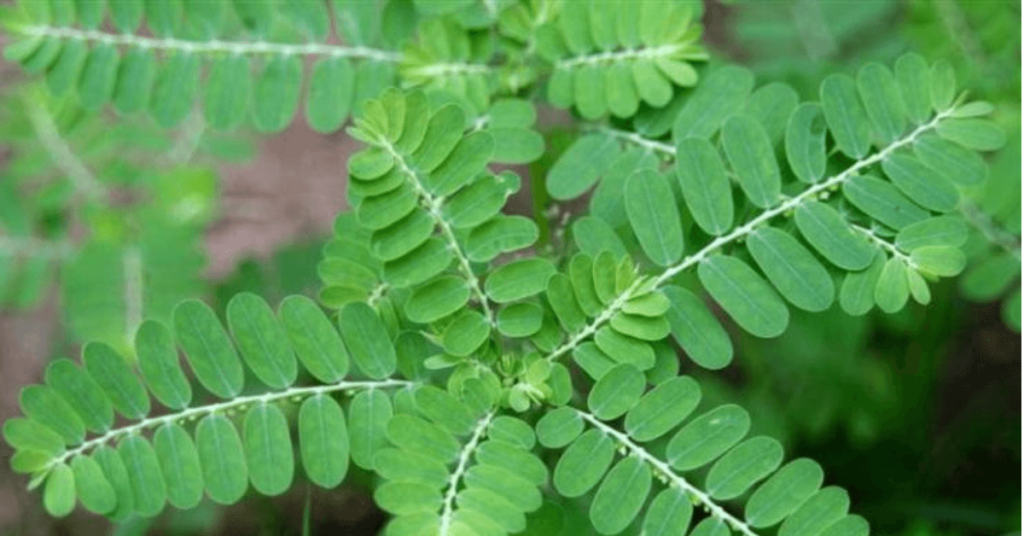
{"points": [[262, 341], [720, 94], [988, 279], [592, 360], [226, 93], [943, 85], [707, 437], [621, 90], [891, 291], [922, 185], [518, 279], [466, 161], [944, 261], [404, 498], [697, 330], [583, 464], [625, 349], [783, 493], [520, 320], [276, 94], [323, 440], [437, 299], [593, 236], [44, 406], [882, 201], [704, 184], [82, 393], [772, 105], [417, 435], [645, 328], [579, 167], [91, 486], [912, 78], [135, 80], [509, 485], [744, 295], [956, 164], [117, 475], [368, 413], [752, 159], [513, 431], [668, 514], [158, 362], [405, 466], [805, 142], [653, 215], [857, 294], [174, 88], [606, 202], [147, 483], [268, 449], [500, 235], [207, 348], [938, 231], [797, 275], [480, 201], [444, 409], [662, 409], [367, 340], [442, 135], [516, 145], [28, 434], [588, 83], [64, 73], [823, 509], [222, 458], [559, 427], [832, 236], [848, 526], [846, 118], [976, 134], [621, 495], [742, 466], [99, 76], [882, 100], [314, 339], [422, 264], [616, 392], [403, 237], [59, 495], [562, 299], [179, 463], [331, 87]]}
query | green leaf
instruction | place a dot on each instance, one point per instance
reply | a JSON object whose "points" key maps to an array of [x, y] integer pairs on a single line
{"points": [[705, 186], [59, 495], [944, 261], [823, 509], [329, 98], [179, 463], [91, 486], [82, 392], [513, 431], [28, 434], [938, 231], [832, 236], [857, 294], [616, 392], [723, 92], [943, 85], [268, 449], [45, 406], [588, 83], [921, 184], [261, 340], [144, 476], [990, 278], [697, 330], [584, 463], [117, 475], [323, 440], [662, 409], [520, 319], [783, 493], [518, 279], [423, 263], [404, 498], [772, 105], [848, 526], [444, 409], [707, 437], [621, 90], [645, 328], [797, 275], [96, 83], [405, 466], [562, 299], [367, 340], [468, 159], [63, 74], [174, 89], [668, 514], [314, 339], [417, 435], [208, 349], [845, 115], [606, 201], [624, 349], [222, 458], [593, 236], [956, 164], [500, 235], [805, 142], [135, 79], [579, 167], [752, 159], [882, 100], [744, 295], [437, 299], [891, 291], [480, 201], [742, 466], [621, 495], [158, 362], [559, 427], [443, 133], [516, 145], [368, 414], [508, 485], [653, 215], [977, 134], [276, 94], [226, 92], [403, 237], [882, 201], [912, 77], [592, 360]]}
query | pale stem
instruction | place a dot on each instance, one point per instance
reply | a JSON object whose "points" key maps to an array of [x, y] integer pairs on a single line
{"points": [[460, 470], [60, 152]]}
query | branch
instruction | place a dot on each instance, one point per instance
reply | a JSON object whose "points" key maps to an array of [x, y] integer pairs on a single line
{"points": [[670, 475], [886, 245], [460, 469], [60, 152], [236, 404], [992, 232], [651, 53]]}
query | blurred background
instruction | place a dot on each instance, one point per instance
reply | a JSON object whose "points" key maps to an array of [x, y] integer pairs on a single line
{"points": [[917, 414]]}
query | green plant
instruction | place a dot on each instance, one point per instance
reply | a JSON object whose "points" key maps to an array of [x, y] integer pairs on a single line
{"points": [[476, 358]]}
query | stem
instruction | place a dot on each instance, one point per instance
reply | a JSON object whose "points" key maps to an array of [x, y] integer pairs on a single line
{"points": [[214, 45], [60, 152], [673, 478], [992, 232], [433, 205], [237, 403], [886, 245], [633, 137], [741, 232], [460, 470], [651, 53], [33, 247]]}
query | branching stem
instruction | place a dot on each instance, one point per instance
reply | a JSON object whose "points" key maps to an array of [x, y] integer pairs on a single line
{"points": [[673, 478], [452, 488]]}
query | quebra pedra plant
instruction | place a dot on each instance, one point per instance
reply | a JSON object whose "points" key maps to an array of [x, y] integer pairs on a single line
{"points": [[477, 372]]}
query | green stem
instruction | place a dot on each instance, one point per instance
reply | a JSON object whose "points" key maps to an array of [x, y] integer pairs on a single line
{"points": [[452, 489]]}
